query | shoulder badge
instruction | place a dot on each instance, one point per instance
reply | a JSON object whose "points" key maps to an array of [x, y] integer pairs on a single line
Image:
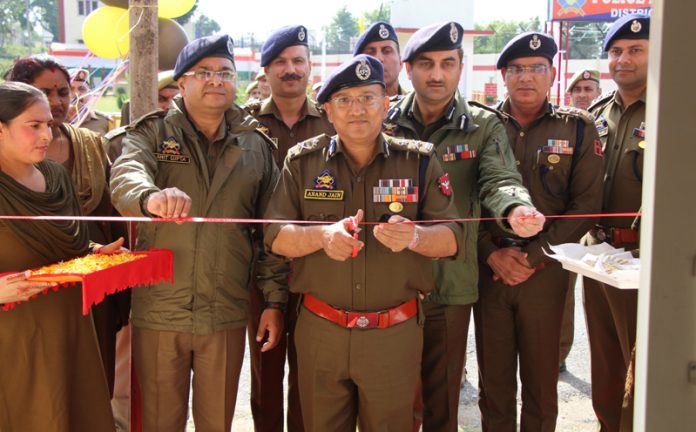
{"points": [[308, 146]]}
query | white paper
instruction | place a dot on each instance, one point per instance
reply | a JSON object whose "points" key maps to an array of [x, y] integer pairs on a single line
{"points": [[601, 262]]}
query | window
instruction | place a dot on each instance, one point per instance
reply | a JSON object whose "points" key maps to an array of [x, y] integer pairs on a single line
{"points": [[85, 7]]}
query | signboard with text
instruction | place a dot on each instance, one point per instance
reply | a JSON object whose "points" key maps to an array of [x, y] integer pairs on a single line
{"points": [[596, 10]]}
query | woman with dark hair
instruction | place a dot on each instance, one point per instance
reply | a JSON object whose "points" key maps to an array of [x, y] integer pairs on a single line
{"points": [[81, 152], [51, 377]]}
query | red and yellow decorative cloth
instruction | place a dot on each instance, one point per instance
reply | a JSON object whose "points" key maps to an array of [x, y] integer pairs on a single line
{"points": [[105, 274]]}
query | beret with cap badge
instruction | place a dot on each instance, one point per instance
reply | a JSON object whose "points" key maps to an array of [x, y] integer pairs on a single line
{"points": [[359, 71], [280, 39], [435, 37], [528, 44], [198, 49], [632, 26], [377, 32]]}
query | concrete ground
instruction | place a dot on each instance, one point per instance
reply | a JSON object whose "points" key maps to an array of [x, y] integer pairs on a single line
{"points": [[575, 405]]}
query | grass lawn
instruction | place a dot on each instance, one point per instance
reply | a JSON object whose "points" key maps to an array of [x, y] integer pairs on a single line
{"points": [[107, 104]]}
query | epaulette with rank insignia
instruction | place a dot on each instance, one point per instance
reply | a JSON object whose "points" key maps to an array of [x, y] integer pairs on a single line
{"points": [[575, 112], [252, 106], [498, 113], [308, 146], [422, 147], [271, 144], [601, 101], [158, 113], [113, 133]]}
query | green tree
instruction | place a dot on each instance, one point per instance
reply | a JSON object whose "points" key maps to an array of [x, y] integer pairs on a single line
{"points": [[343, 27], [46, 14], [585, 40], [205, 26], [382, 13], [504, 31]]}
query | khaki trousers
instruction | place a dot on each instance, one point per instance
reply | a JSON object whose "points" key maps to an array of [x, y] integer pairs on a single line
{"points": [[568, 325], [346, 374], [164, 361], [519, 323], [444, 352], [268, 371], [611, 329]]}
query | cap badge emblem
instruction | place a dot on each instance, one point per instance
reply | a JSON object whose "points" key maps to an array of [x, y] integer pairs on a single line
{"points": [[636, 26], [535, 42], [454, 33], [383, 32], [586, 75], [362, 71], [301, 35], [230, 46]]}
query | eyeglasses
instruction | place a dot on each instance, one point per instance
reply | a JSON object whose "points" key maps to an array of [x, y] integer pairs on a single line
{"points": [[207, 75], [536, 69], [345, 102]]}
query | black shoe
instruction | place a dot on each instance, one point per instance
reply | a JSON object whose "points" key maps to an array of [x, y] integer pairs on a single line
{"points": [[562, 368]]}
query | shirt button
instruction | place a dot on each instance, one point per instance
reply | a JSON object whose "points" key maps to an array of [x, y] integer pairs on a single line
{"points": [[358, 286], [292, 134], [616, 146], [521, 133]]}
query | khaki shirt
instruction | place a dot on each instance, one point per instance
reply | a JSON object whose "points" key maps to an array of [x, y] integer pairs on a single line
{"points": [[563, 176], [312, 122], [620, 130], [377, 278], [98, 122]]}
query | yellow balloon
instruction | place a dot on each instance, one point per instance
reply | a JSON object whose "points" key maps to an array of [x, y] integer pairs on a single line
{"points": [[174, 8], [105, 32]]}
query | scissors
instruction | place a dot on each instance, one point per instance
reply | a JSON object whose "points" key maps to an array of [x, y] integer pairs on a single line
{"points": [[355, 229]]}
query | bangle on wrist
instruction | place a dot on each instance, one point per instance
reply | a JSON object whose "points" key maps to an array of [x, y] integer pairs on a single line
{"points": [[415, 239], [276, 305]]}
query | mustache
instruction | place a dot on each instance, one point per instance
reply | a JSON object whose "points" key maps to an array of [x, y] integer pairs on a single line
{"points": [[434, 82], [291, 76]]}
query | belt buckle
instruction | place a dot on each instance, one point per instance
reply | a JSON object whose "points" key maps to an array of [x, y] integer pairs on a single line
{"points": [[362, 320]]}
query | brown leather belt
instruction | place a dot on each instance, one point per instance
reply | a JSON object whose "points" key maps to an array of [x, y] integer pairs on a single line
{"points": [[361, 320], [616, 236]]}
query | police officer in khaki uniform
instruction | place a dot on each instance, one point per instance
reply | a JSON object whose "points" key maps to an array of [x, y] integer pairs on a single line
{"points": [[584, 87], [358, 336], [83, 115], [204, 157], [611, 312], [381, 42], [522, 291], [287, 117], [472, 147]]}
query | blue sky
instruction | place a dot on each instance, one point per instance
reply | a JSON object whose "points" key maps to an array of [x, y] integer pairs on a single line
{"points": [[262, 16]]}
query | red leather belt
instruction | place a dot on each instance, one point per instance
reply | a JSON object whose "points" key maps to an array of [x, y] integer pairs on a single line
{"points": [[616, 236], [362, 320]]}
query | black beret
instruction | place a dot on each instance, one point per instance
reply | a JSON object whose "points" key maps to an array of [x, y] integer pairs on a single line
{"points": [[435, 37], [359, 71], [197, 49], [633, 26], [280, 39], [379, 31], [529, 44]]}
